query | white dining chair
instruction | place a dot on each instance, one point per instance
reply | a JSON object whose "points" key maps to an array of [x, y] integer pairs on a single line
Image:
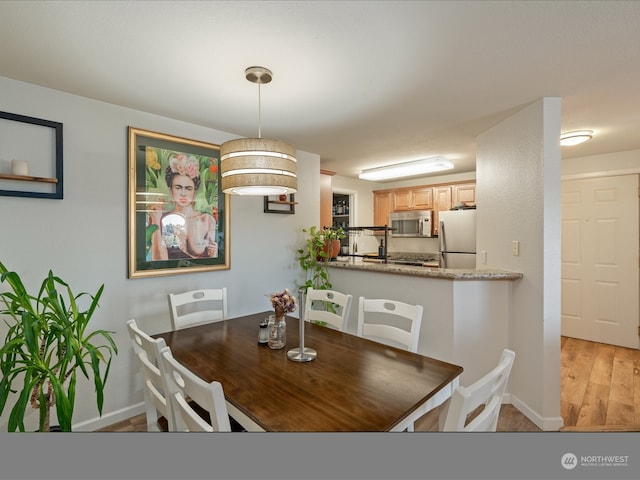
{"points": [[390, 322], [328, 306], [183, 384], [147, 353], [197, 307], [487, 391]]}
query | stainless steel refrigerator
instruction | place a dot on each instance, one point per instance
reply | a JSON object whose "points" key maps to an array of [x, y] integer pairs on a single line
{"points": [[457, 236]]}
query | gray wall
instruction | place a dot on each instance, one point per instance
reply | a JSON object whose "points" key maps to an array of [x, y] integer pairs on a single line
{"points": [[83, 238], [518, 187]]}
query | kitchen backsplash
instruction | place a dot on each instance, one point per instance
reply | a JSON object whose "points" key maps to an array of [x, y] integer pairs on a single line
{"points": [[413, 245]]}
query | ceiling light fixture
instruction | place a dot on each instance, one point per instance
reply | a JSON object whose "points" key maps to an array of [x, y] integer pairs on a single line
{"points": [[257, 166], [575, 138], [407, 169]]}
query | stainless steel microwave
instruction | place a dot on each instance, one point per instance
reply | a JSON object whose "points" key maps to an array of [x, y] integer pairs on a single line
{"points": [[416, 223]]}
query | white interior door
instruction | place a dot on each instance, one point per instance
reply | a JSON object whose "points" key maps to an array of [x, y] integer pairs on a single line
{"points": [[600, 260]]}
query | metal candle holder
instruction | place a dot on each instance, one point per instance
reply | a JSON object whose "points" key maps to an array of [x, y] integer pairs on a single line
{"points": [[302, 354]]}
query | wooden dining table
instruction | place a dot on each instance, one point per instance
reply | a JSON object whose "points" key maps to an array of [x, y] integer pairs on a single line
{"points": [[354, 384]]}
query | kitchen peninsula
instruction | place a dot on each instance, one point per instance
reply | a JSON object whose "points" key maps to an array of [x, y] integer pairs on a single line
{"points": [[429, 272], [467, 313]]}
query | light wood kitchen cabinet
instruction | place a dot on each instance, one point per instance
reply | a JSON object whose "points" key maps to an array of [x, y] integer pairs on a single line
{"points": [[448, 196], [381, 209], [401, 200], [326, 198], [438, 198], [412, 199], [422, 198], [464, 193], [442, 201]]}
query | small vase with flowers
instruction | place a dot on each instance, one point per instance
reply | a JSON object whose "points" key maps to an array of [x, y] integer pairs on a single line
{"points": [[283, 302]]}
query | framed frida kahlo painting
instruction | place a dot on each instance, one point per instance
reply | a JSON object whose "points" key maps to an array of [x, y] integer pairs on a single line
{"points": [[178, 215]]}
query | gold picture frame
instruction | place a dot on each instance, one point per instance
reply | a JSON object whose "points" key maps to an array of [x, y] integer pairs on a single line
{"points": [[178, 215]]}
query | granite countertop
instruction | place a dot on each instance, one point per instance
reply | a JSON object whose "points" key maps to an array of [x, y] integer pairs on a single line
{"points": [[428, 272]]}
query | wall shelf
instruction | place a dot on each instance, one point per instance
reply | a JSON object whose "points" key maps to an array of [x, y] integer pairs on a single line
{"points": [[37, 141], [27, 178], [273, 204], [340, 216]]}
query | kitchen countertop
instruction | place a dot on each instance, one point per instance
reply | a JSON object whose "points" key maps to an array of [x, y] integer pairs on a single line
{"points": [[428, 272]]}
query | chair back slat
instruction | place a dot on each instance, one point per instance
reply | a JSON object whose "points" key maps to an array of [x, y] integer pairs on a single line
{"points": [[183, 384], [197, 307], [489, 391], [328, 306], [381, 320]]}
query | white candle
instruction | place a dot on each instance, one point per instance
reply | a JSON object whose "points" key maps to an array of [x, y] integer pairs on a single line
{"points": [[20, 167]]}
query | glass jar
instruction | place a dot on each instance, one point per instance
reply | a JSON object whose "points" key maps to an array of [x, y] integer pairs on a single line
{"points": [[277, 332]]}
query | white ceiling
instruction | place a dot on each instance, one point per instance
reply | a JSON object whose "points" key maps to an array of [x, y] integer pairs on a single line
{"points": [[361, 83]]}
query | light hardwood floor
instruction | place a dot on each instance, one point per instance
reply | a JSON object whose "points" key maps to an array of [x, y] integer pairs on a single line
{"points": [[600, 391], [600, 386]]}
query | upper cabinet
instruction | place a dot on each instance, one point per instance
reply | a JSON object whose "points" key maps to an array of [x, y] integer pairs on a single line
{"points": [[438, 198], [443, 201], [443, 198], [420, 198], [463, 193], [381, 209]]}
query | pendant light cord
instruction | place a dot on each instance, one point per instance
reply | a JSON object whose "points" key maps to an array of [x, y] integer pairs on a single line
{"points": [[259, 114]]}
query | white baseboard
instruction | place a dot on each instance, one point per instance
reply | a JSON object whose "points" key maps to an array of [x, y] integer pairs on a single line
{"points": [[109, 419], [550, 424]]}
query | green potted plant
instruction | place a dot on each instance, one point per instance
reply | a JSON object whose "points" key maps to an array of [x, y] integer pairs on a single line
{"points": [[46, 345], [315, 255], [314, 259]]}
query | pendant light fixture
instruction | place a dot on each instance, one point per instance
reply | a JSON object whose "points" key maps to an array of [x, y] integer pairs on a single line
{"points": [[258, 166]]}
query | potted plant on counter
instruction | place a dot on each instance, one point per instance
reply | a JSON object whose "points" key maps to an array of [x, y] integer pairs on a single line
{"points": [[47, 344], [332, 237]]}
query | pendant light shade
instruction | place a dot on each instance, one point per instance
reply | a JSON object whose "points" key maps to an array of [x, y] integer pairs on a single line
{"points": [[258, 166]]}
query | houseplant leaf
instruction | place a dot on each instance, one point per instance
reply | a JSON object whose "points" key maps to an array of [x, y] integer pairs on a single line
{"points": [[46, 344]]}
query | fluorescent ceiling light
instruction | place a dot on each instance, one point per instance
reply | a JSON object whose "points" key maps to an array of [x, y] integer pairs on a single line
{"points": [[575, 138], [407, 169]]}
